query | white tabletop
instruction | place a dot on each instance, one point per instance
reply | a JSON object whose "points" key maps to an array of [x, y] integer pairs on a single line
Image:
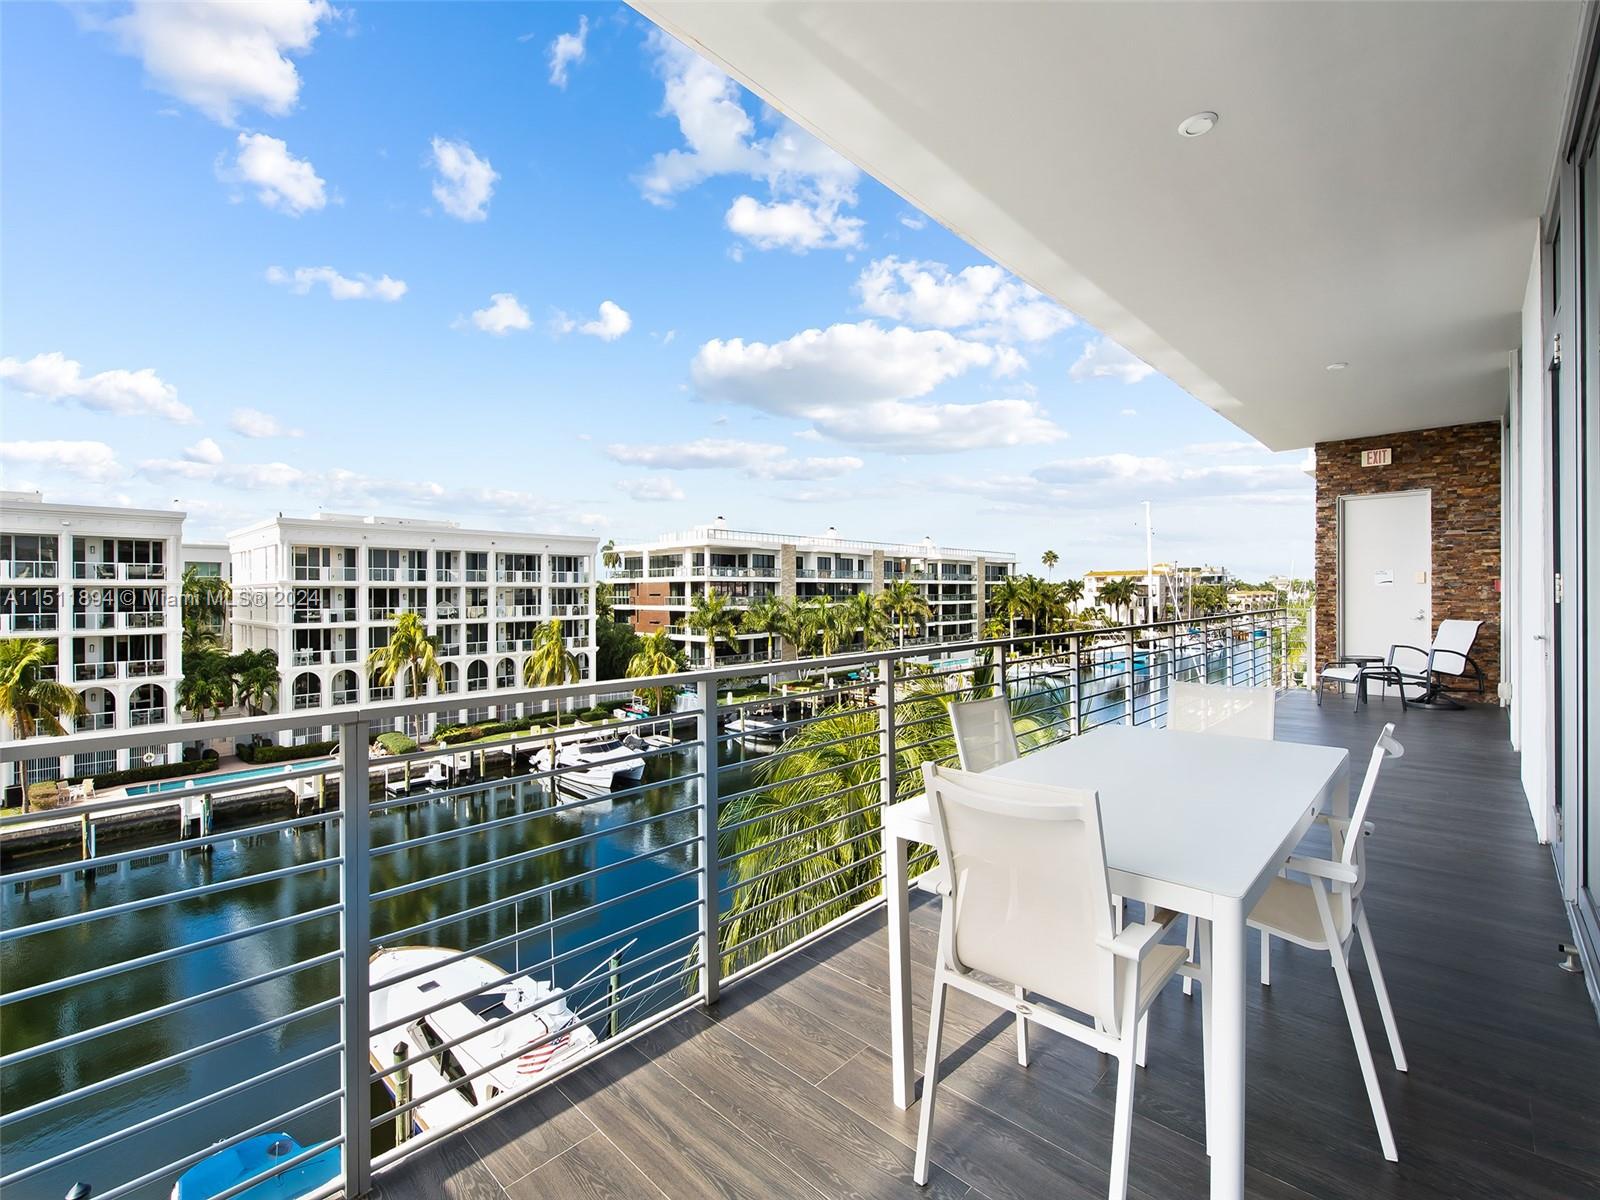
{"points": [[1199, 811]]}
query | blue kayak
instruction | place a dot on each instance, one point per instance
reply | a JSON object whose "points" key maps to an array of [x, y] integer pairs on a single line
{"points": [[256, 1156]]}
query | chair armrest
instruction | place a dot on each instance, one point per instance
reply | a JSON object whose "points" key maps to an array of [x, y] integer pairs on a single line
{"points": [[1425, 652], [1135, 941], [1322, 868]]}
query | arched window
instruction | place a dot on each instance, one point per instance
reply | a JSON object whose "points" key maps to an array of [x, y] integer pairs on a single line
{"points": [[344, 688], [452, 680], [100, 711], [505, 674], [477, 676], [147, 705], [307, 691]]}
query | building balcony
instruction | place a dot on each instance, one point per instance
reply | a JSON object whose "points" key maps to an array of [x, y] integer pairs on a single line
{"points": [[518, 612], [90, 722], [569, 610], [513, 645], [308, 658], [147, 716], [23, 568], [627, 574], [40, 622], [781, 1087], [504, 575], [476, 575], [569, 577], [383, 574], [446, 575]]}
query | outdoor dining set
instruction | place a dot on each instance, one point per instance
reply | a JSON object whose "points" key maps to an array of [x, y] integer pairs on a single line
{"points": [[1043, 857]]}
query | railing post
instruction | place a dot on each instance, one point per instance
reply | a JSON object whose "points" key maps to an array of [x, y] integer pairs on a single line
{"points": [[710, 859], [886, 748], [355, 946], [1000, 671], [1129, 719], [1075, 647]]}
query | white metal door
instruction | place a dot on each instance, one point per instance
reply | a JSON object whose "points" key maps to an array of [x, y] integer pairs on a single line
{"points": [[1385, 572]]}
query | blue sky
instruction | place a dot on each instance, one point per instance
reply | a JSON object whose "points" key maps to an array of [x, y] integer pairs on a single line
{"points": [[535, 266]]}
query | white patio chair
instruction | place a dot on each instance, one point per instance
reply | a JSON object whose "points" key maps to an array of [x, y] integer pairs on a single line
{"points": [[1434, 671], [1222, 709], [1325, 913], [1026, 903], [985, 736]]}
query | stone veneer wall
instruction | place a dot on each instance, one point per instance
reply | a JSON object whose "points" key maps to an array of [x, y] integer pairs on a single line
{"points": [[1460, 465]]}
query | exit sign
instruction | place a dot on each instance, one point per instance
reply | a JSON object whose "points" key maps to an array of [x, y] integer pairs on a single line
{"points": [[1377, 458]]}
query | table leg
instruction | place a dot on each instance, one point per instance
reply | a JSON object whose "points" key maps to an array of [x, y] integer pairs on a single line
{"points": [[899, 906], [1226, 1089]]}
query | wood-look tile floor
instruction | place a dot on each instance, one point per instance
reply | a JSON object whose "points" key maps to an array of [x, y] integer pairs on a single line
{"points": [[783, 1089]]}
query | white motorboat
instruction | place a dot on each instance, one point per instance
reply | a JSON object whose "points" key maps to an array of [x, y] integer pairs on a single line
{"points": [[598, 764], [448, 1003]]}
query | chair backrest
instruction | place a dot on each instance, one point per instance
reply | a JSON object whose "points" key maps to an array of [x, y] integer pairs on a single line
{"points": [[985, 736], [1028, 901], [1452, 645], [1216, 708], [1351, 849]]}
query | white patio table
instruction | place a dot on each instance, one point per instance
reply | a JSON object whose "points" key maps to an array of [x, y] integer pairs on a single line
{"points": [[1195, 822]]}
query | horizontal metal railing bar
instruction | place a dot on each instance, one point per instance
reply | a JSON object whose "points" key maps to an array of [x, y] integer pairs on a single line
{"points": [[158, 956], [494, 864], [389, 939], [795, 862], [165, 1010], [816, 718], [726, 828], [521, 936], [55, 746], [181, 845], [444, 835], [866, 739], [152, 801], [788, 921], [389, 804], [788, 751], [194, 893], [182, 1110], [538, 775], [902, 747], [810, 829], [490, 1026], [798, 888], [585, 1015], [182, 1164], [50, 1104], [811, 936]]}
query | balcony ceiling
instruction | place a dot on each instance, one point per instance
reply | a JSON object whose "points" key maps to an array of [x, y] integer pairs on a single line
{"points": [[1370, 194]]}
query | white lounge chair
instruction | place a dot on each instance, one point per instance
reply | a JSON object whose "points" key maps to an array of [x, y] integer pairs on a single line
{"points": [[1325, 913], [1432, 672], [1026, 903]]}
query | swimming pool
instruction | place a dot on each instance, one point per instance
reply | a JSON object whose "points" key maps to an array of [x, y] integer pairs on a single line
{"points": [[209, 781]]}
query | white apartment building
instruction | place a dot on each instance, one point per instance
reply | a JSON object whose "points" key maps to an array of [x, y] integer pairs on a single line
{"points": [[323, 593], [101, 584], [656, 583], [1172, 585]]}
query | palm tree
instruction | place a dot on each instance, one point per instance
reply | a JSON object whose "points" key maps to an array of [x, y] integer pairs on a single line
{"points": [[862, 613], [610, 555], [1050, 558], [799, 630], [827, 624], [1033, 601], [767, 616], [205, 605], [1072, 591], [412, 655], [905, 604], [30, 697], [1005, 602], [256, 679], [550, 665], [712, 616], [656, 656], [1120, 592], [207, 688]]}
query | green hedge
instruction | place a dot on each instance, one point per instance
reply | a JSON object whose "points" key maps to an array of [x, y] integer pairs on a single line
{"points": [[396, 743], [268, 753], [175, 770]]}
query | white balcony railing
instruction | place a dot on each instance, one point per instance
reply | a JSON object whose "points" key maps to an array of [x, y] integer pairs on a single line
{"points": [[42, 622], [569, 577], [28, 568], [505, 575], [383, 574]]}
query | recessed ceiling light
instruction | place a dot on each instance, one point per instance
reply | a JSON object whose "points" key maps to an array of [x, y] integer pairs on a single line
{"points": [[1198, 125], [1338, 366]]}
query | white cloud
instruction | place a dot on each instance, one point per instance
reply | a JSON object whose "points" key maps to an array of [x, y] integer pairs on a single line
{"points": [[808, 183], [652, 488], [56, 378], [858, 383], [94, 461], [205, 450], [464, 183], [757, 460], [245, 476], [567, 49], [282, 182], [502, 316], [984, 301], [1130, 412], [611, 324], [301, 280], [219, 56], [911, 222], [793, 225], [253, 423], [1104, 359]]}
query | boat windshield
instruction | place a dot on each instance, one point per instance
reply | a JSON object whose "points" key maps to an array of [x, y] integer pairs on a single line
{"points": [[487, 1006], [447, 1062]]}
